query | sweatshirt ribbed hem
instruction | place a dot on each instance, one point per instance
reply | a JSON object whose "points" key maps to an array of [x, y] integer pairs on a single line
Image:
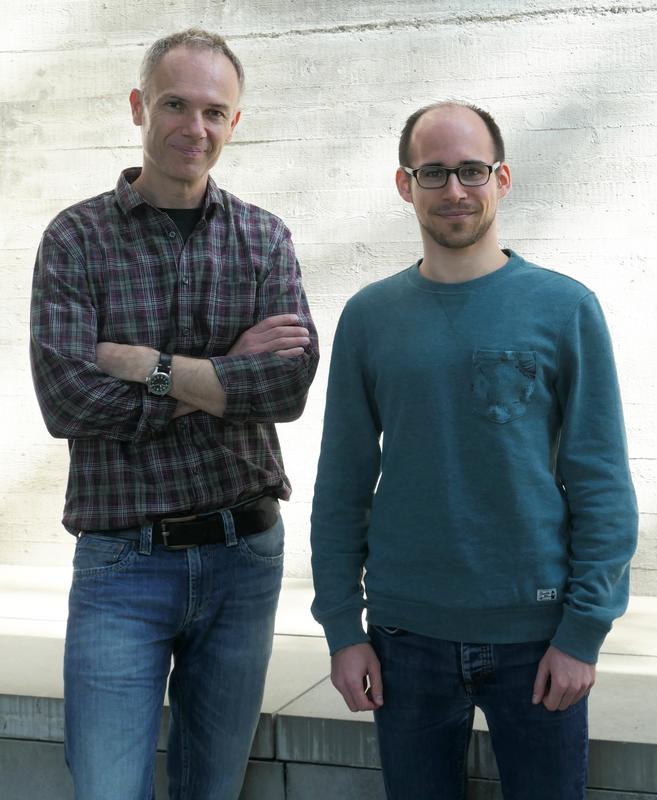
{"points": [[489, 626]]}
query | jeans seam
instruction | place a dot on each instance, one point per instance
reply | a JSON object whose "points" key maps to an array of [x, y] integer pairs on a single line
{"points": [[184, 744], [464, 756], [467, 679]]}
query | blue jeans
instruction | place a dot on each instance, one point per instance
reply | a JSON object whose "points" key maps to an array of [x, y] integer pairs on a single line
{"points": [[133, 608], [430, 690]]}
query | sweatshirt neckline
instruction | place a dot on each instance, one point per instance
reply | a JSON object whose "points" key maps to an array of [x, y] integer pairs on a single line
{"points": [[427, 285]]}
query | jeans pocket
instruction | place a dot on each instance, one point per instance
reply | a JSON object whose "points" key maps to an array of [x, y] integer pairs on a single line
{"points": [[502, 383], [95, 553], [265, 547]]}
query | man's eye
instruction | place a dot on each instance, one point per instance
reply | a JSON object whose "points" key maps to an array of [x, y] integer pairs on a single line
{"points": [[215, 113], [175, 104], [433, 173], [474, 171]]}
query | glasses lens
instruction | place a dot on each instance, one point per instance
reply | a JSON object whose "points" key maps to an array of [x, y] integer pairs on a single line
{"points": [[431, 177], [474, 174]]}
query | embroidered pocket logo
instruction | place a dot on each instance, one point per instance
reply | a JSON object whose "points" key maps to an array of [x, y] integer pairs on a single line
{"points": [[546, 594]]}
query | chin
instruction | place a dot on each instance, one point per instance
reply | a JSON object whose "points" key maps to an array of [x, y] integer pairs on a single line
{"points": [[456, 245]]}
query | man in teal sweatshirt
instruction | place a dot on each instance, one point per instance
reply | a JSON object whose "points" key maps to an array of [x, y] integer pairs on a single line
{"points": [[473, 490]]}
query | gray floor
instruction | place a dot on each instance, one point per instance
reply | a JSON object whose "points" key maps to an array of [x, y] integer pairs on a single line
{"points": [[308, 745]]}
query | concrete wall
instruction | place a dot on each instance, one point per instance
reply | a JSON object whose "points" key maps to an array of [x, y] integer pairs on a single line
{"points": [[329, 85]]}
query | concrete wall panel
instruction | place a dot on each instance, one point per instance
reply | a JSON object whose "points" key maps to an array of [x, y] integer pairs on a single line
{"points": [[329, 85]]}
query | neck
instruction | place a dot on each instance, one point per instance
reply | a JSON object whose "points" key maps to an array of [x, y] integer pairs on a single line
{"points": [[166, 193], [458, 265]]}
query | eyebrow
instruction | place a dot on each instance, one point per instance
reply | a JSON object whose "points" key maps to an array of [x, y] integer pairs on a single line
{"points": [[167, 97]]}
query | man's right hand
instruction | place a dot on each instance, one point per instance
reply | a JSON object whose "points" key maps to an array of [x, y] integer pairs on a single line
{"points": [[280, 334], [356, 674]]}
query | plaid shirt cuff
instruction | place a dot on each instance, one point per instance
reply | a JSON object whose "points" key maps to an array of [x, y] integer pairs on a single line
{"points": [[157, 414]]}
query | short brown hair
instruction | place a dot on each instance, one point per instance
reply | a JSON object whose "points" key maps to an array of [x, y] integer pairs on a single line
{"points": [[192, 37], [405, 139]]}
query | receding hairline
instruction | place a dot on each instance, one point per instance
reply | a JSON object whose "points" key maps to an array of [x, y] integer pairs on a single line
{"points": [[447, 106], [147, 86], [190, 39], [493, 130]]}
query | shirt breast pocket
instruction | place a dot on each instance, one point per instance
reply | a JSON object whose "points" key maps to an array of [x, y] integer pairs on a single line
{"points": [[232, 308], [503, 383]]}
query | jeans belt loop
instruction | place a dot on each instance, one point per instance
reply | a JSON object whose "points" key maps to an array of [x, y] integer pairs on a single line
{"points": [[229, 527], [146, 539]]}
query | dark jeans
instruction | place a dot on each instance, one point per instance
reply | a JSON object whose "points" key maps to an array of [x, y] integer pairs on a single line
{"points": [[430, 690]]}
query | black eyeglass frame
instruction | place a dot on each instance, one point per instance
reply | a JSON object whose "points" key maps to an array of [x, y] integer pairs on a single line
{"points": [[454, 170]]}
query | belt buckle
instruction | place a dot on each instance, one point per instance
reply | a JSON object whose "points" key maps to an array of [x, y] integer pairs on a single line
{"points": [[165, 533]]}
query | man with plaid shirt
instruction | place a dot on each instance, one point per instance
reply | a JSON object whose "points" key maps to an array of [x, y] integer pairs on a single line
{"points": [[170, 331]]}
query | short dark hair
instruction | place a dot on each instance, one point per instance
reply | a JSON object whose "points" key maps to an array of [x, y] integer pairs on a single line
{"points": [[192, 37], [405, 139]]}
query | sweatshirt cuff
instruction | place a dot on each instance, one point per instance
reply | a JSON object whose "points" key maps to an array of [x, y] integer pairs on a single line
{"points": [[343, 631], [579, 636]]}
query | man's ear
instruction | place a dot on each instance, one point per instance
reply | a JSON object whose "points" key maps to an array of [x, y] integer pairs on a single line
{"points": [[233, 123], [504, 182], [137, 106], [403, 181]]}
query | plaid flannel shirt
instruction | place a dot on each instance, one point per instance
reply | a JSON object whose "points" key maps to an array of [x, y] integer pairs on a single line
{"points": [[114, 268]]}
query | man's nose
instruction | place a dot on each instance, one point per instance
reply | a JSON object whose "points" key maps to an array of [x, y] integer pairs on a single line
{"points": [[453, 188], [194, 125]]}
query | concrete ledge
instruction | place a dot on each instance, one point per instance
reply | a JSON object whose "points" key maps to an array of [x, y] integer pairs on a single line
{"points": [[307, 744]]}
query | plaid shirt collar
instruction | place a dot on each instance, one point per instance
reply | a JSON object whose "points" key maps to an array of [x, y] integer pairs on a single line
{"points": [[128, 199]]}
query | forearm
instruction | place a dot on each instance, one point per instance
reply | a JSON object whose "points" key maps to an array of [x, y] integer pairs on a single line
{"points": [[264, 377], [196, 386], [265, 387], [77, 399], [194, 381], [592, 465], [182, 409], [339, 602], [267, 373], [348, 470], [597, 591]]}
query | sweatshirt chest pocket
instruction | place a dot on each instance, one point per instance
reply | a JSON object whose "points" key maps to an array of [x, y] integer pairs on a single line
{"points": [[502, 383]]}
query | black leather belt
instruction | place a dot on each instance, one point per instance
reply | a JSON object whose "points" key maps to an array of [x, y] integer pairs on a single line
{"points": [[254, 516]]}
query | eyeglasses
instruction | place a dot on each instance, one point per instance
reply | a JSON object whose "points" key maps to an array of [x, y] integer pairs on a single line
{"points": [[433, 176]]}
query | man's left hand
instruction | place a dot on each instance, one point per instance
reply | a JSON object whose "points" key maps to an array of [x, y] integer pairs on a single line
{"points": [[569, 680], [280, 334]]}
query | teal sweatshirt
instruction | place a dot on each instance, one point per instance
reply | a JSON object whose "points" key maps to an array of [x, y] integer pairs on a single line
{"points": [[474, 464]]}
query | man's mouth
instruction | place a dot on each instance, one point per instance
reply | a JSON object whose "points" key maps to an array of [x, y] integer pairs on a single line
{"points": [[451, 211], [190, 152], [455, 214]]}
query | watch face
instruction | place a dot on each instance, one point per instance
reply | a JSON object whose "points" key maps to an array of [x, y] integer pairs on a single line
{"points": [[159, 383]]}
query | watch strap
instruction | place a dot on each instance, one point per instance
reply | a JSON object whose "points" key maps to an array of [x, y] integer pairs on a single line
{"points": [[165, 361]]}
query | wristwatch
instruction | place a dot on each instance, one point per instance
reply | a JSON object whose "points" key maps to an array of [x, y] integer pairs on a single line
{"points": [[159, 381]]}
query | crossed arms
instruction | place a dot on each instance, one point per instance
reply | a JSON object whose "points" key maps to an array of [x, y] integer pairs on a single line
{"points": [[195, 383], [91, 385]]}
